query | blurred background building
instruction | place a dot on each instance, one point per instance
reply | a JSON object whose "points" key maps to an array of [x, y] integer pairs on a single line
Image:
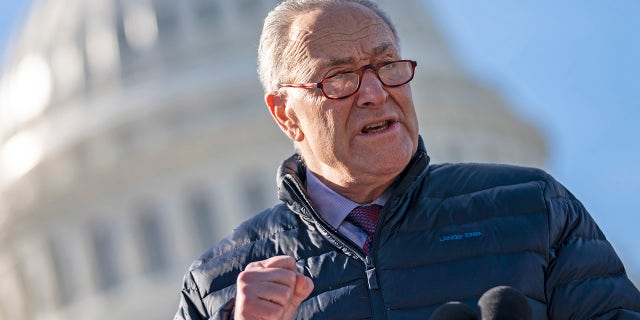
{"points": [[133, 135]]}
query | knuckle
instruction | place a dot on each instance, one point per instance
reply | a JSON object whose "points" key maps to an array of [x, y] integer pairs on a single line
{"points": [[291, 278], [243, 289], [244, 279], [288, 293], [252, 265]]}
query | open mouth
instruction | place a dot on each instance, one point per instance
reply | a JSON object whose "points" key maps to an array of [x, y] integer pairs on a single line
{"points": [[376, 127]]}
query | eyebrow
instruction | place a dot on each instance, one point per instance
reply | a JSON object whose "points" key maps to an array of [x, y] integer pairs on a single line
{"points": [[351, 60]]}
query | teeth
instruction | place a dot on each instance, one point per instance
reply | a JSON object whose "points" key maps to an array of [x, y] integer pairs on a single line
{"points": [[381, 123], [376, 127]]}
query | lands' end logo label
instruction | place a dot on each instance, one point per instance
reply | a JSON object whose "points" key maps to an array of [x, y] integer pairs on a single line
{"points": [[460, 236]]}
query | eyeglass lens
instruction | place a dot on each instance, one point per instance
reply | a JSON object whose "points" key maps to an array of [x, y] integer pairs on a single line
{"points": [[345, 84]]}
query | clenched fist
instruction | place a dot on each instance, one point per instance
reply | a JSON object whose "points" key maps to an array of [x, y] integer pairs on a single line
{"points": [[270, 289]]}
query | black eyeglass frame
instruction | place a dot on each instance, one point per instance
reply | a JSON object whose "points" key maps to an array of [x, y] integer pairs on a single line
{"points": [[359, 72]]}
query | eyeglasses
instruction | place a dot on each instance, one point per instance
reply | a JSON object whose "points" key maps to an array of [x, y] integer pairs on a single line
{"points": [[346, 84]]}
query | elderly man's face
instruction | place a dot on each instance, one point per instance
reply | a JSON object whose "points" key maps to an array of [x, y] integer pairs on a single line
{"points": [[370, 135]]}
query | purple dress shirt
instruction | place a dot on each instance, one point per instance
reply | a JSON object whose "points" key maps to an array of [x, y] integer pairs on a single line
{"points": [[334, 208]]}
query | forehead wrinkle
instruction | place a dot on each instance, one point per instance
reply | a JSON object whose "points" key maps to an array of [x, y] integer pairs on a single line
{"points": [[305, 40], [297, 51], [337, 61], [379, 50], [344, 36]]}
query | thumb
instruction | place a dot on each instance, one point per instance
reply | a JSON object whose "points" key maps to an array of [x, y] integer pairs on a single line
{"points": [[303, 288]]}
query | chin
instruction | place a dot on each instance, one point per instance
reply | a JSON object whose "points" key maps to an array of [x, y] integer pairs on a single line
{"points": [[393, 160]]}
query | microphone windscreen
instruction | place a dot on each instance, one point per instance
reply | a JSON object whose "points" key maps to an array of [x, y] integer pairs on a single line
{"points": [[454, 310], [504, 303]]}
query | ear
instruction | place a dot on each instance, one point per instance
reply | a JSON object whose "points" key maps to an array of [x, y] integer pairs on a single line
{"points": [[284, 115]]}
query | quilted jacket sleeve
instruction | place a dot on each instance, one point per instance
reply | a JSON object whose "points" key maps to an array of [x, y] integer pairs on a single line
{"points": [[585, 279], [192, 306]]}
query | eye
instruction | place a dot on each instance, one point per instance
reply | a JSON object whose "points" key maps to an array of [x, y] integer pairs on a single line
{"points": [[342, 76], [390, 65], [341, 84], [336, 73]]}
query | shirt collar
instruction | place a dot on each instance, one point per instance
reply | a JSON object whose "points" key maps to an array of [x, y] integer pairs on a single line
{"points": [[332, 206]]}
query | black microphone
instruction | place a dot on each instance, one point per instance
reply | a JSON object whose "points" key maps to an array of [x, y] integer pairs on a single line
{"points": [[454, 311], [504, 303]]}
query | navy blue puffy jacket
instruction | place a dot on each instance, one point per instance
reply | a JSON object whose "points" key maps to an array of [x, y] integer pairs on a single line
{"points": [[449, 233]]}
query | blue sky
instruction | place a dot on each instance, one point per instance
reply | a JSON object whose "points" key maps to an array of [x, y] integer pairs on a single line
{"points": [[10, 13], [572, 68]]}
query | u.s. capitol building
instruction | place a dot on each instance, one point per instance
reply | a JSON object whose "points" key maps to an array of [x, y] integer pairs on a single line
{"points": [[133, 135]]}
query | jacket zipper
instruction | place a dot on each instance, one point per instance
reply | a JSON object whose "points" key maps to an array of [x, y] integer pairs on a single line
{"points": [[341, 240], [338, 237], [377, 303], [370, 269]]}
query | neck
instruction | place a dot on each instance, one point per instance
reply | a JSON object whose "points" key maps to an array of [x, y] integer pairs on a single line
{"points": [[361, 190]]}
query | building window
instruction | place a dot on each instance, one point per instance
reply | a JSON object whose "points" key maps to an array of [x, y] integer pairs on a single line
{"points": [[253, 188], [105, 248], [167, 18], [27, 296], [206, 12], [123, 44], [203, 218], [250, 8], [153, 241], [65, 280], [16, 302]]}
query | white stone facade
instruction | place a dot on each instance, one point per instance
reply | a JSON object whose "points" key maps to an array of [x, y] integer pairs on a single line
{"points": [[133, 135]]}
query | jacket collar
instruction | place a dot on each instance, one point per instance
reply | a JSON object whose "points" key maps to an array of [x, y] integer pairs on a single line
{"points": [[291, 177]]}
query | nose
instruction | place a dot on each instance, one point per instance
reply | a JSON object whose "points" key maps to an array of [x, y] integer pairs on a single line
{"points": [[372, 92]]}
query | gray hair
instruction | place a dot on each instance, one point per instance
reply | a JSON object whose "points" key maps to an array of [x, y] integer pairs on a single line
{"points": [[275, 66]]}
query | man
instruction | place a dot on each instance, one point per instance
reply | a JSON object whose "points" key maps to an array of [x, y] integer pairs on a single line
{"points": [[366, 228]]}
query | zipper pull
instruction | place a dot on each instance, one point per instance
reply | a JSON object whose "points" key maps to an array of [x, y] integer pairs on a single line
{"points": [[372, 279]]}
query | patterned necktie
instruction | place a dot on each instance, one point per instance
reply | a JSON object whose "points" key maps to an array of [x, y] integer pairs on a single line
{"points": [[365, 218]]}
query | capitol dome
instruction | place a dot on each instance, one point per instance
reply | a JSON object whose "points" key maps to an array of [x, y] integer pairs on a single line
{"points": [[133, 135]]}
